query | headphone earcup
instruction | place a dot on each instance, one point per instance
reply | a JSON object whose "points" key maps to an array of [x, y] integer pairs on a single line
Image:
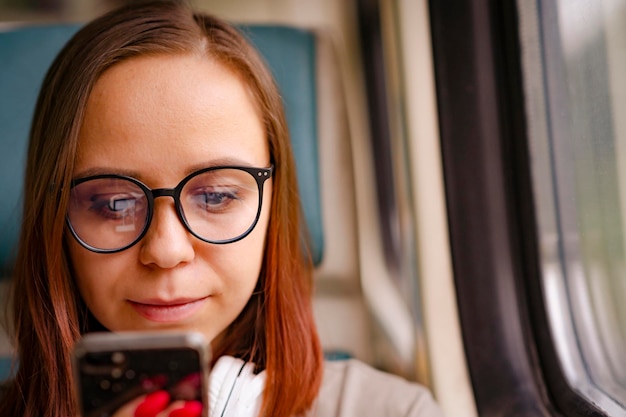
{"points": [[234, 388]]}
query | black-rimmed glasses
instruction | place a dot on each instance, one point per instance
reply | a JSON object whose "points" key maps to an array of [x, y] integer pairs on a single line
{"points": [[109, 213]]}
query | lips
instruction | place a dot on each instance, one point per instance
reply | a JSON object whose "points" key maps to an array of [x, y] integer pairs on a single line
{"points": [[167, 311]]}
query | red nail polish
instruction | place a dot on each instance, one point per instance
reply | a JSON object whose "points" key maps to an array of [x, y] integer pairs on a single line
{"points": [[193, 379], [155, 382], [153, 404], [190, 409]]}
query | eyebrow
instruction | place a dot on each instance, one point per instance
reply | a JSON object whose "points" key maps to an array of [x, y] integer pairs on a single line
{"points": [[90, 172], [229, 161]]}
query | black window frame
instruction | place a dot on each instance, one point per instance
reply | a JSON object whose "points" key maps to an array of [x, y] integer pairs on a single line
{"points": [[513, 364]]}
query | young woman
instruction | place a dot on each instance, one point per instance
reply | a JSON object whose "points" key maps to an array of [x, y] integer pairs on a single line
{"points": [[160, 194]]}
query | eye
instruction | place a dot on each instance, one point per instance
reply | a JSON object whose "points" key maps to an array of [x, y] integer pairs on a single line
{"points": [[213, 200], [116, 206]]}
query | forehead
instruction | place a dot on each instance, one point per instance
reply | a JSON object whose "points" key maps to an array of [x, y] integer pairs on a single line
{"points": [[170, 113]]}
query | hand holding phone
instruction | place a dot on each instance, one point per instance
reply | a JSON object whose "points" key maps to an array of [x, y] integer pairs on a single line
{"points": [[141, 371]]}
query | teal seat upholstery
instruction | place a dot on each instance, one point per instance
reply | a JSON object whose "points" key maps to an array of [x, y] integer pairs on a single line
{"points": [[290, 54], [26, 53]]}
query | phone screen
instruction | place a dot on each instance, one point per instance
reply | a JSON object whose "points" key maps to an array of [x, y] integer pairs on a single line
{"points": [[108, 378]]}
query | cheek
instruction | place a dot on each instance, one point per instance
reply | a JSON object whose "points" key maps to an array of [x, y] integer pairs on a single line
{"points": [[249, 252], [94, 274], [240, 263], [82, 267]]}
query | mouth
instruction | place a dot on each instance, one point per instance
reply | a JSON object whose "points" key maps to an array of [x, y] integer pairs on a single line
{"points": [[167, 311]]}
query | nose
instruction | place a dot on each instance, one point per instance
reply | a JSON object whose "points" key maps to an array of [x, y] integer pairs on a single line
{"points": [[167, 243]]}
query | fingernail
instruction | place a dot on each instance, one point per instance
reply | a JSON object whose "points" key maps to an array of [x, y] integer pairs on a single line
{"points": [[153, 404], [190, 409], [194, 379], [154, 383]]}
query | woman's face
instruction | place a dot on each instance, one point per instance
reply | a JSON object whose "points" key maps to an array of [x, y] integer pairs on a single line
{"points": [[158, 119]]}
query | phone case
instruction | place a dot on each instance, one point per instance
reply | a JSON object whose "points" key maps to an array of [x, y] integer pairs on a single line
{"points": [[111, 369]]}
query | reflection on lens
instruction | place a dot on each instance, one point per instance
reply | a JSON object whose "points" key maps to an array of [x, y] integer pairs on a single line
{"points": [[107, 213]]}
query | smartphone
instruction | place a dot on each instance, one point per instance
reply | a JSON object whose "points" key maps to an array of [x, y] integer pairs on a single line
{"points": [[111, 369]]}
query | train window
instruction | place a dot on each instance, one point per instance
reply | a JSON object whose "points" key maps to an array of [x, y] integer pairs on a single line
{"points": [[573, 61]]}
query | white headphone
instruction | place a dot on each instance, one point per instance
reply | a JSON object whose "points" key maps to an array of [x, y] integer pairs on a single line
{"points": [[234, 388]]}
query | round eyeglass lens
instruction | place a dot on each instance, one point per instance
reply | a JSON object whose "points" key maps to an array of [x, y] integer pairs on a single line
{"points": [[108, 213], [220, 205]]}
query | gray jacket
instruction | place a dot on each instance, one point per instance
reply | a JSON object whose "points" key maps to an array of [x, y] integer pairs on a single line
{"points": [[353, 389]]}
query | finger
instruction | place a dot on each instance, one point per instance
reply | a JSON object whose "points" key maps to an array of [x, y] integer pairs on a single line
{"points": [[188, 388], [128, 409], [171, 406], [189, 409], [153, 404]]}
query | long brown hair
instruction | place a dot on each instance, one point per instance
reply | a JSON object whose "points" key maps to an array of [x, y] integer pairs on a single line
{"points": [[276, 329]]}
